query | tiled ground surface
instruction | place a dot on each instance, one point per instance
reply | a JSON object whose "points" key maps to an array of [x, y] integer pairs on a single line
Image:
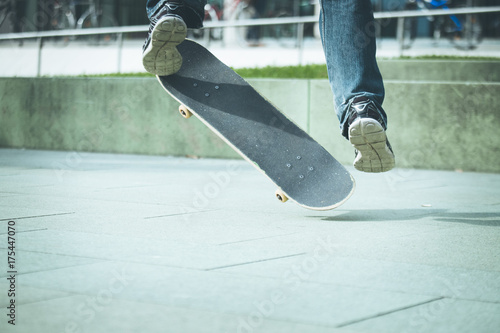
{"points": [[121, 243]]}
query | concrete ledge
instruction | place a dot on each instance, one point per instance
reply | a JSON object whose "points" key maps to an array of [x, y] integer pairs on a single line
{"points": [[440, 70], [432, 125]]}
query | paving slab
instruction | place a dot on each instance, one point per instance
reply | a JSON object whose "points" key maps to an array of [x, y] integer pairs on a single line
{"points": [[133, 243], [442, 315]]}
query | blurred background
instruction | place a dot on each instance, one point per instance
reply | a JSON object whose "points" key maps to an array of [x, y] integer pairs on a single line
{"points": [[295, 42], [43, 15]]}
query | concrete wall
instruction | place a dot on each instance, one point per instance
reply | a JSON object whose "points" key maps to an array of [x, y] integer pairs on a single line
{"points": [[434, 125], [440, 70]]}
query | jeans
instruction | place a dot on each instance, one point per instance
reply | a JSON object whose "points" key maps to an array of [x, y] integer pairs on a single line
{"points": [[348, 35], [152, 5]]}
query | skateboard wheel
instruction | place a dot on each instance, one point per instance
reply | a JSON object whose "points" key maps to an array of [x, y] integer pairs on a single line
{"points": [[281, 196], [184, 111]]}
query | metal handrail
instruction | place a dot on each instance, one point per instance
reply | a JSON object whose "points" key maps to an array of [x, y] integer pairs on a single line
{"points": [[300, 21]]}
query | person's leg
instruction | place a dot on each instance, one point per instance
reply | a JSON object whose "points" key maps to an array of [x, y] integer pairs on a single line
{"points": [[347, 34], [348, 37], [169, 23]]}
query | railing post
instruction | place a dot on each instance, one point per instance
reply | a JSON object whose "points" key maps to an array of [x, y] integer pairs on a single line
{"points": [[39, 45], [300, 41], [400, 34], [206, 36], [120, 49], [468, 25]]}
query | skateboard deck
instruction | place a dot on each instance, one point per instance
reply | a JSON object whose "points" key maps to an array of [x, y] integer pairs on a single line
{"points": [[299, 166]]}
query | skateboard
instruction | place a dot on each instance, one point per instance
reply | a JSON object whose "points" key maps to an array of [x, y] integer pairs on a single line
{"points": [[300, 167]]}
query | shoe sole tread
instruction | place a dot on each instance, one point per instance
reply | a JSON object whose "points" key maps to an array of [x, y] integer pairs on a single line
{"points": [[369, 139], [162, 57]]}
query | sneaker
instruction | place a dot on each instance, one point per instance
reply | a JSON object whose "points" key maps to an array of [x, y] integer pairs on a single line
{"points": [[160, 55], [367, 134], [167, 30]]}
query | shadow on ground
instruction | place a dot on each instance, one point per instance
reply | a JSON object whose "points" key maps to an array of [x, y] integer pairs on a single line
{"points": [[440, 215]]}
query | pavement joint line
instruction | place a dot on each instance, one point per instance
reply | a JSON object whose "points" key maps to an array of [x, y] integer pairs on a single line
{"points": [[24, 231], [68, 295], [34, 217], [59, 268], [180, 214], [46, 270], [256, 261], [351, 322], [67, 255], [468, 299]]}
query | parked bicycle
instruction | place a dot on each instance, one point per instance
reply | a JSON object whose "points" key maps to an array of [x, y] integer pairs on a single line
{"points": [[463, 31], [65, 17]]}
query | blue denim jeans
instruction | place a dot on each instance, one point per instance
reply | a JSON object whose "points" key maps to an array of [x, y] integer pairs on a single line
{"points": [[348, 35], [152, 5]]}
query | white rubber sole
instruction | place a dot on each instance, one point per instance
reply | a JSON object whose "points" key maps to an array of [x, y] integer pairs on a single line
{"points": [[161, 57], [369, 139]]}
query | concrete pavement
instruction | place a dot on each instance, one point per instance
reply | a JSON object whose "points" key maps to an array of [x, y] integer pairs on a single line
{"points": [[77, 58], [128, 243]]}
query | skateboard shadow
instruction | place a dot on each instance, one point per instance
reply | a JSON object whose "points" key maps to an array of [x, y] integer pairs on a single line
{"points": [[484, 219], [441, 215]]}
